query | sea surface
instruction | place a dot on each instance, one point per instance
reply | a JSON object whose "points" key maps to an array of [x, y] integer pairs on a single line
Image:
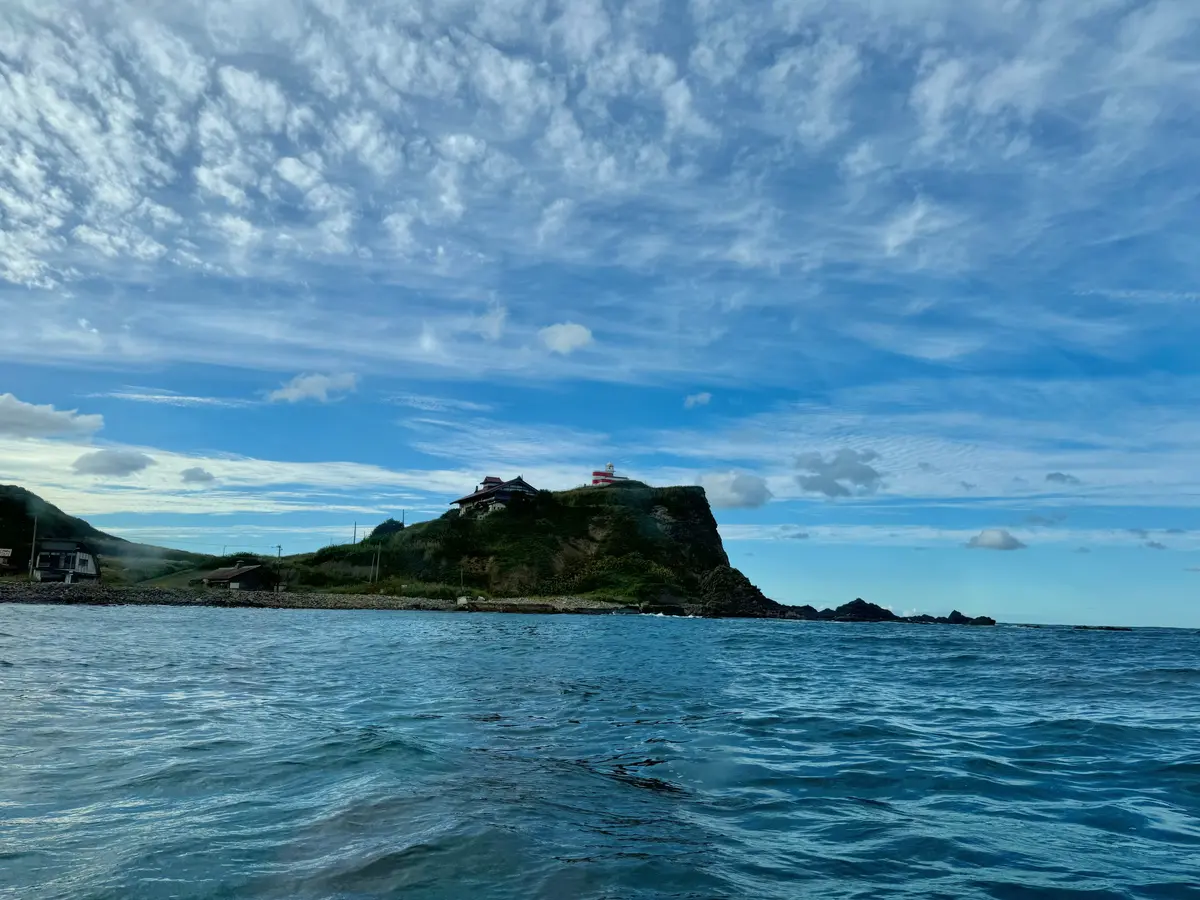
{"points": [[220, 753]]}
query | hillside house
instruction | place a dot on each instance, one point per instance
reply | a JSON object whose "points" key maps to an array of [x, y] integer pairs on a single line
{"points": [[239, 577], [67, 561], [494, 494]]}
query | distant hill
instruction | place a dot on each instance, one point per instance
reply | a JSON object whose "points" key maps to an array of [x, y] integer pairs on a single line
{"points": [[121, 560]]}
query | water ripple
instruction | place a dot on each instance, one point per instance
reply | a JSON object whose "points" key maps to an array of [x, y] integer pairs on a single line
{"points": [[202, 753]]}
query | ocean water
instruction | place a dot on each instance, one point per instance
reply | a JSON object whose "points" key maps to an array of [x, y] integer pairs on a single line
{"points": [[203, 753]]}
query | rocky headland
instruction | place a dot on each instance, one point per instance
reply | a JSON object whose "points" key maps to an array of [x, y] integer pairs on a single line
{"points": [[625, 548]]}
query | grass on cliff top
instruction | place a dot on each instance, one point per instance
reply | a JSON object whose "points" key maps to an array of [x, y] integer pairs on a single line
{"points": [[602, 543]]}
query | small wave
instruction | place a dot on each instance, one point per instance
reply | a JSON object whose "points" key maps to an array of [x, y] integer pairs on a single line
{"points": [[742, 759], [5, 664]]}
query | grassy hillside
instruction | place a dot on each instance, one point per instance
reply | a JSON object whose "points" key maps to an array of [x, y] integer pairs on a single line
{"points": [[121, 561], [628, 542]]}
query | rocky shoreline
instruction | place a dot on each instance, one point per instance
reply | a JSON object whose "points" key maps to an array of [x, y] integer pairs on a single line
{"points": [[100, 595], [727, 599]]}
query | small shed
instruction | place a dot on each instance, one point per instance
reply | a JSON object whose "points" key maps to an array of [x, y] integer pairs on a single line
{"points": [[240, 577]]}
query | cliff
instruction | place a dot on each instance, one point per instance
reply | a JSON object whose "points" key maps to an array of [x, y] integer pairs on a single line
{"points": [[628, 542], [655, 548]]}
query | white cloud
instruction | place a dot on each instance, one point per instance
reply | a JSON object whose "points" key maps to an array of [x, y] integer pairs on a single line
{"points": [[995, 539], [735, 490], [113, 463], [565, 338], [694, 400], [391, 152], [322, 388], [20, 419]]}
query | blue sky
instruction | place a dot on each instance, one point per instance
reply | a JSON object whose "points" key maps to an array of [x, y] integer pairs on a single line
{"points": [[913, 288]]}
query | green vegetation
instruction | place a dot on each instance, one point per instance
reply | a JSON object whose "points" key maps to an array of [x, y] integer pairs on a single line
{"points": [[386, 529], [628, 543], [121, 561]]}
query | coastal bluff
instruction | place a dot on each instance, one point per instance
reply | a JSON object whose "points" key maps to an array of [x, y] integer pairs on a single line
{"points": [[622, 548], [655, 549]]}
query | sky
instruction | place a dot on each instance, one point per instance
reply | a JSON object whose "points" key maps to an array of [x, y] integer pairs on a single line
{"points": [[911, 287]]}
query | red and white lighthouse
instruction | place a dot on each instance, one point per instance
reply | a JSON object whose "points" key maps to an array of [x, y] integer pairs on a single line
{"points": [[607, 476]]}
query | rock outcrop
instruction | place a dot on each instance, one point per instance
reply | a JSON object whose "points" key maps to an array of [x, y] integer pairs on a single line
{"points": [[860, 610], [727, 593]]}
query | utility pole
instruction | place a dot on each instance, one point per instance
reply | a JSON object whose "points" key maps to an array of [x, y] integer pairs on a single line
{"points": [[279, 553], [356, 532], [33, 548]]}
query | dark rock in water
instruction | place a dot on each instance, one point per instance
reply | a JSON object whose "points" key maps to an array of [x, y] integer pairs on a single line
{"points": [[955, 618], [857, 611], [725, 592], [861, 611]]}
